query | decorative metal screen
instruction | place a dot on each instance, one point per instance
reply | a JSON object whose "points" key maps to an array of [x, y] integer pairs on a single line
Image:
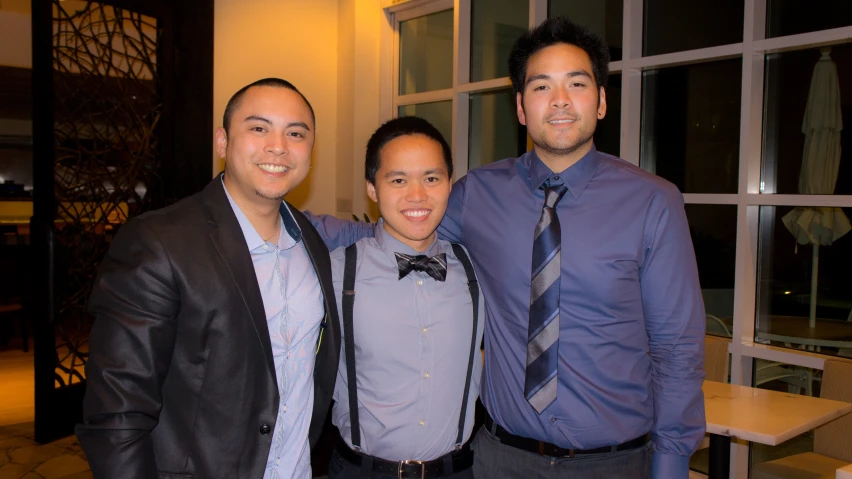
{"points": [[107, 107]]}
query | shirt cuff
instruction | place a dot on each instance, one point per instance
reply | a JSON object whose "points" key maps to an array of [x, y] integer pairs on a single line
{"points": [[669, 466]]}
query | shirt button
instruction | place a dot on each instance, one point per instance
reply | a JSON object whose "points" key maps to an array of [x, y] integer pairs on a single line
{"points": [[419, 282], [426, 375], [553, 419], [285, 408], [278, 462], [425, 329], [422, 423]]}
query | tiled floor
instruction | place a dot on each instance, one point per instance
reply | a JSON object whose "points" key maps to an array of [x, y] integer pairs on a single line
{"points": [[23, 458]]}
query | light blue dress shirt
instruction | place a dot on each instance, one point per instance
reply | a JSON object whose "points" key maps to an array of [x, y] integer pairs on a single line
{"points": [[294, 308], [631, 343], [412, 348]]}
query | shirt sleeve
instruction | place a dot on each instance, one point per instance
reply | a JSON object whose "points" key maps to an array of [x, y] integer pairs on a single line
{"points": [[674, 320], [450, 228], [337, 233]]}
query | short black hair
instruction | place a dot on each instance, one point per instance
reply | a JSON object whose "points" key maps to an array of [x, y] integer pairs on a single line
{"points": [[554, 31], [235, 100], [402, 126]]}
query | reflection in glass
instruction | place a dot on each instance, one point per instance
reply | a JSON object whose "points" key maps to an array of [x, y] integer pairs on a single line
{"points": [[603, 17], [495, 132], [426, 53], [438, 113], [804, 299], [608, 131], [789, 82], [676, 25], [691, 125], [496, 26], [713, 229], [789, 17]]}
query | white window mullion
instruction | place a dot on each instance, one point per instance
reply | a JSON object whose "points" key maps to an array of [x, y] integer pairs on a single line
{"points": [[538, 12], [746, 256], [631, 81], [461, 76]]}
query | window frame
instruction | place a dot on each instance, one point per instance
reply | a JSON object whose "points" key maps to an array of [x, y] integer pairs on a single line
{"points": [[748, 199]]}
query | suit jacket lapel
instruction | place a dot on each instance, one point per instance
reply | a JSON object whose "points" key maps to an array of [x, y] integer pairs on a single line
{"points": [[228, 239]]}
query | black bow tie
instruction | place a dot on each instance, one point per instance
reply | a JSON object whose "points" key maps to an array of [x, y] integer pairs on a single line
{"points": [[436, 266]]}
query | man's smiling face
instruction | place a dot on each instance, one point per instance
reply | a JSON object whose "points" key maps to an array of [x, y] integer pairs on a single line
{"points": [[267, 149]]}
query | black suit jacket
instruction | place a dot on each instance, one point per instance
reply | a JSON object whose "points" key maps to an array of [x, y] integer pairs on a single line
{"points": [[180, 377]]}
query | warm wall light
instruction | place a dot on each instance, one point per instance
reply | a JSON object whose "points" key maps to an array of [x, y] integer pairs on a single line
{"points": [[788, 292]]}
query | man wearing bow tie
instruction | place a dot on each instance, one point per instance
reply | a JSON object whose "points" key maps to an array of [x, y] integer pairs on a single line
{"points": [[410, 368]]}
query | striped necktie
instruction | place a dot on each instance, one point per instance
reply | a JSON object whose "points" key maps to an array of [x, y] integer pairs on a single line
{"points": [[543, 334]]}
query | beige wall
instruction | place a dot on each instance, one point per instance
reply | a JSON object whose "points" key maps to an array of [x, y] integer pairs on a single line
{"points": [[16, 45], [292, 39]]}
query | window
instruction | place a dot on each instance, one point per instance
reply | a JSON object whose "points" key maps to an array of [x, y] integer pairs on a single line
{"points": [[691, 125], [710, 95]]}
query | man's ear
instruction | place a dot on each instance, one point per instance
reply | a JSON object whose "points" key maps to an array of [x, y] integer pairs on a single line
{"points": [[522, 117], [221, 142], [601, 103], [371, 192]]}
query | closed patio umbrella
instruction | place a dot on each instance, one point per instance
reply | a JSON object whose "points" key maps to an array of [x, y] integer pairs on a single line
{"points": [[819, 226]]}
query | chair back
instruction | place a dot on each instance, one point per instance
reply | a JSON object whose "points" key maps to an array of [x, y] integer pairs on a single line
{"points": [[716, 358], [835, 438]]}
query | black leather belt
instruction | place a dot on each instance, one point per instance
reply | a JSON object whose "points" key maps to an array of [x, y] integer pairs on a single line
{"points": [[461, 460], [546, 449]]}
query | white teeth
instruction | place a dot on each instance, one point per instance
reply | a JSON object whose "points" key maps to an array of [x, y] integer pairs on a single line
{"points": [[559, 122], [273, 168], [416, 213]]}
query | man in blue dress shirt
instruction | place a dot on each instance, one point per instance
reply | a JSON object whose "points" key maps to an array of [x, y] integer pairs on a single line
{"points": [[415, 336], [594, 317]]}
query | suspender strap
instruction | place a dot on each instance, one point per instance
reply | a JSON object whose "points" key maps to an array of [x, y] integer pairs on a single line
{"points": [[351, 260], [473, 285], [349, 339]]}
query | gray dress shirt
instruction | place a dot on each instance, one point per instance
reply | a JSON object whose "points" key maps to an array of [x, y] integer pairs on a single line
{"points": [[412, 345]]}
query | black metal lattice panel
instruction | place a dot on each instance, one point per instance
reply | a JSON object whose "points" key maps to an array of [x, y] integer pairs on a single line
{"points": [[106, 152]]}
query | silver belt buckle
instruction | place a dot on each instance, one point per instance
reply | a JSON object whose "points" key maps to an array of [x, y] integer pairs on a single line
{"points": [[406, 462]]}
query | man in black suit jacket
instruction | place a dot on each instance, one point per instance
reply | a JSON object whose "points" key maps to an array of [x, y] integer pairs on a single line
{"points": [[181, 377]]}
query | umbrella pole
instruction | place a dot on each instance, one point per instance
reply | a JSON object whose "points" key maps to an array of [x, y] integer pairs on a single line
{"points": [[814, 275]]}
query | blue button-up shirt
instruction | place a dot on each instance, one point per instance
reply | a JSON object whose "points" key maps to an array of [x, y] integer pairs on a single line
{"points": [[293, 302], [412, 349], [631, 344]]}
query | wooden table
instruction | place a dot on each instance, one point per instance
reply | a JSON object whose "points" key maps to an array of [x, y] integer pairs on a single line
{"points": [[844, 472], [759, 415]]}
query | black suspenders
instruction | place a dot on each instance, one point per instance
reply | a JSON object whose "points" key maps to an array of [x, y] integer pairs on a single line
{"points": [[349, 339]]}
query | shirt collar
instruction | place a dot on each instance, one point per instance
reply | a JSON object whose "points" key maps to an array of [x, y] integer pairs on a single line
{"points": [[575, 177], [391, 245], [291, 234]]}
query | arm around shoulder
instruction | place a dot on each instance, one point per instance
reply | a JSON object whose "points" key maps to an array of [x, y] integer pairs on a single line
{"points": [[135, 302]]}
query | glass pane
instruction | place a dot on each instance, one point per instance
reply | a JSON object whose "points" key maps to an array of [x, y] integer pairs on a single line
{"points": [[426, 53], [804, 299], [603, 17], [788, 17], [691, 125], [825, 167], [496, 26], [495, 132], [713, 229], [788, 379], [439, 114], [676, 26], [608, 132]]}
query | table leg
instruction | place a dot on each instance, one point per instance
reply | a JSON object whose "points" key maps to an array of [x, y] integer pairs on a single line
{"points": [[720, 457]]}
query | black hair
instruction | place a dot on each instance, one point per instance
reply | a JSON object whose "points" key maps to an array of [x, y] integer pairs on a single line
{"points": [[237, 98], [554, 31], [402, 126]]}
